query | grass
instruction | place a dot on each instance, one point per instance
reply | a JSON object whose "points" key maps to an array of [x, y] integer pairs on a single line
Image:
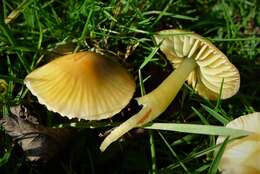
{"points": [[37, 31]]}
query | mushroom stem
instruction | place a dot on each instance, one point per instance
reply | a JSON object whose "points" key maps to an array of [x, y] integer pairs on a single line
{"points": [[155, 102]]}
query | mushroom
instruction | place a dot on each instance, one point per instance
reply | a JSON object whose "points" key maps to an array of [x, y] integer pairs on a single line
{"points": [[196, 60], [242, 155], [83, 85], [3, 87]]}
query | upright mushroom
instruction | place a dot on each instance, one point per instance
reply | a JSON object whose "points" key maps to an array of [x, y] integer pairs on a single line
{"points": [[242, 156], [196, 60], [83, 85]]}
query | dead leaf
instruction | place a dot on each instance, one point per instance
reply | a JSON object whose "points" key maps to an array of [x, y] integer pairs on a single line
{"points": [[38, 142], [22, 112]]}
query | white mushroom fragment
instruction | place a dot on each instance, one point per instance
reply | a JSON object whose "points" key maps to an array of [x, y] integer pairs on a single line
{"points": [[82, 85], [242, 156], [196, 60]]}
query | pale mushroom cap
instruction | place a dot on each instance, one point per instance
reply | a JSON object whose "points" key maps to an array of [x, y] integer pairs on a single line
{"points": [[212, 67], [249, 122], [83, 85], [242, 156]]}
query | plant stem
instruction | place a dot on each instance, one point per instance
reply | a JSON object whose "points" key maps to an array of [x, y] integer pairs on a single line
{"points": [[155, 102]]}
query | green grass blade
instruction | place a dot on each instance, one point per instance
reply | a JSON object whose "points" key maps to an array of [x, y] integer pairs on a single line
{"points": [[214, 165], [6, 157], [148, 58], [198, 129], [153, 154], [16, 12], [202, 118], [163, 12], [216, 115], [8, 34], [11, 78], [174, 153], [176, 16]]}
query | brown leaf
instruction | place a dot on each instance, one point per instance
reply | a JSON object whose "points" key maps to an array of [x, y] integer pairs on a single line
{"points": [[38, 142], [22, 112]]}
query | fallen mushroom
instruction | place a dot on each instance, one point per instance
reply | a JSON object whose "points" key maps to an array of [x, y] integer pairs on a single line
{"points": [[196, 60], [242, 155], [83, 85]]}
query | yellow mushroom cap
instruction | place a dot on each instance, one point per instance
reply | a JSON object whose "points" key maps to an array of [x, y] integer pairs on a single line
{"points": [[242, 156], [82, 85], [3, 87], [212, 64]]}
